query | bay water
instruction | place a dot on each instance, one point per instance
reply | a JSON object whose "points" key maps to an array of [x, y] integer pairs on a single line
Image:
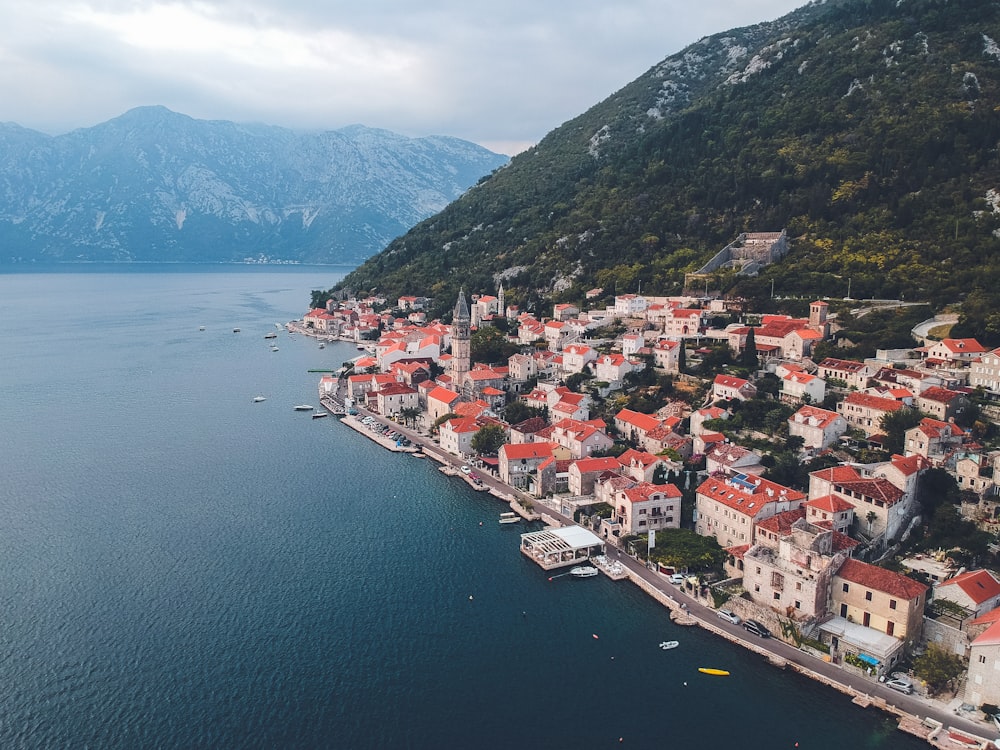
{"points": [[181, 567]]}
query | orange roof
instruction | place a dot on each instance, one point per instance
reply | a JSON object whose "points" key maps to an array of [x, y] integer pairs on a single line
{"points": [[830, 503], [644, 422], [873, 402], [443, 395], [978, 585], [747, 496], [641, 492], [526, 450], [837, 474], [880, 579], [990, 636], [588, 465], [781, 523]]}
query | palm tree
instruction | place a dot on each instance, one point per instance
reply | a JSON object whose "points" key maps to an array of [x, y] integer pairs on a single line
{"points": [[871, 520]]}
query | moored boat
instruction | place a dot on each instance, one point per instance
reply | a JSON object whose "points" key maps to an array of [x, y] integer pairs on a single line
{"points": [[716, 672], [583, 571], [304, 407], [320, 414], [509, 518], [258, 399], [271, 335], [667, 645]]}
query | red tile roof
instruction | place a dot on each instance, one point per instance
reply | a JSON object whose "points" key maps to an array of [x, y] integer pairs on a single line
{"points": [[880, 579], [978, 585]]}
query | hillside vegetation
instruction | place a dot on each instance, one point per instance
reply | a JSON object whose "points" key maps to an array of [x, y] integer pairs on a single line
{"points": [[868, 130]]}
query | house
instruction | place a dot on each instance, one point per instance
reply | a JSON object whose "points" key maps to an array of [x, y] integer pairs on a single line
{"points": [[975, 472], [634, 425], [577, 356], [646, 507], [801, 386], [730, 459], [556, 333], [565, 311], [441, 401], [954, 351], [727, 508], [630, 305], [777, 336], [666, 355], [976, 590], [888, 602], [530, 467], [852, 374], [612, 368], [865, 411], [831, 512], [581, 439], [982, 683], [932, 438], [683, 323], [728, 388], [393, 398], [880, 507], [456, 435], [941, 403], [818, 428], [699, 417], [984, 372], [641, 466], [790, 567], [584, 472]]}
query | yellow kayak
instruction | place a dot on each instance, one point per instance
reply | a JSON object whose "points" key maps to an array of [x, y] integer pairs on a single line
{"points": [[719, 672]]}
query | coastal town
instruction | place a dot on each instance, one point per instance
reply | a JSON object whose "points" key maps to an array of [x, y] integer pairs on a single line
{"points": [[778, 497]]}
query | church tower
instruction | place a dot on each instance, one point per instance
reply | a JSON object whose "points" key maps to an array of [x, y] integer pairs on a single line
{"points": [[501, 302], [461, 334]]}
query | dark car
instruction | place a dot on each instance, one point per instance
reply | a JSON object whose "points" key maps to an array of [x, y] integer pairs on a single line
{"points": [[758, 629]]}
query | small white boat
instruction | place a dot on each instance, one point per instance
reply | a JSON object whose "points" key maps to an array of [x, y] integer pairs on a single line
{"points": [[258, 399], [667, 645], [236, 330], [271, 335], [584, 571], [322, 345], [304, 407], [201, 328], [418, 454], [320, 414], [509, 518], [274, 348]]}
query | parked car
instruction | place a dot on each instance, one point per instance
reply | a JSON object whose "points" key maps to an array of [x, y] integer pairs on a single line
{"points": [[677, 579], [903, 686], [466, 470], [729, 616], [757, 628]]}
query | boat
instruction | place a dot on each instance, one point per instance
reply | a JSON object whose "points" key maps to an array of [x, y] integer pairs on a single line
{"points": [[258, 399], [278, 326], [304, 407], [418, 454], [201, 328], [320, 414], [236, 330], [322, 345], [511, 518], [583, 571], [274, 348], [667, 645], [271, 335], [716, 672]]}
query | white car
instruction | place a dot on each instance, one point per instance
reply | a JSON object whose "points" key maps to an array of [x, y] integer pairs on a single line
{"points": [[903, 686], [466, 470], [729, 616], [677, 579]]}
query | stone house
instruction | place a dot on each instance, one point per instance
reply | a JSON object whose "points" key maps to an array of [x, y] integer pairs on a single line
{"points": [[530, 467], [865, 411], [853, 374], [984, 372], [976, 590], [729, 388], [646, 507], [818, 428], [729, 507], [982, 683], [585, 471]]}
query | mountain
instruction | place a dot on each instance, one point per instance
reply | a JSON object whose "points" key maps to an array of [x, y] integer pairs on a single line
{"points": [[155, 185], [868, 129]]}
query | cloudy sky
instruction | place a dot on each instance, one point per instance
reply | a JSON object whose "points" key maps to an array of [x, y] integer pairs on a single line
{"points": [[501, 74]]}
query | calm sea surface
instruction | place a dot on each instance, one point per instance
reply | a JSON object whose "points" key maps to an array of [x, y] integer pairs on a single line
{"points": [[183, 568]]}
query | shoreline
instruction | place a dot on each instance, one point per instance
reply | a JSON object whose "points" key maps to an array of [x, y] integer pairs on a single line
{"points": [[940, 727]]}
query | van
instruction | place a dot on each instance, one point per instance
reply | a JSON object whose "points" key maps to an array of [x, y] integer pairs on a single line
{"points": [[758, 629]]}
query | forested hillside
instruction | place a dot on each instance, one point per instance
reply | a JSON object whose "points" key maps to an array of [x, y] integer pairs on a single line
{"points": [[869, 130]]}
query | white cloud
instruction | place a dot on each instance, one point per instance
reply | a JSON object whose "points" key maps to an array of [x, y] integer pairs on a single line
{"points": [[500, 74]]}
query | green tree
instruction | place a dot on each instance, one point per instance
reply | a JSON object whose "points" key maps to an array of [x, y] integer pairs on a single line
{"points": [[748, 357], [937, 667], [682, 358], [518, 411], [895, 424], [490, 345], [683, 548], [409, 414], [488, 440]]}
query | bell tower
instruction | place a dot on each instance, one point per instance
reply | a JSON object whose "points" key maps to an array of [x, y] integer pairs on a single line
{"points": [[461, 334]]}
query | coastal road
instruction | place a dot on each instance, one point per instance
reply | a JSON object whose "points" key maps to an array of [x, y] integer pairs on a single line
{"points": [[706, 617]]}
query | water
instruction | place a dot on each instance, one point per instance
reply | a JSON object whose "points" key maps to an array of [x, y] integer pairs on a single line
{"points": [[183, 568]]}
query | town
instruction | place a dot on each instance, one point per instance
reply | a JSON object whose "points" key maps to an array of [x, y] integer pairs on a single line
{"points": [[844, 506]]}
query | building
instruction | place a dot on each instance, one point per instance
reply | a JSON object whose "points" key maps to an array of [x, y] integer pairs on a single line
{"points": [[646, 507], [941, 403], [881, 508], [801, 386], [728, 507], [830, 512], [889, 602], [530, 467], [932, 439], [852, 374], [584, 472], [984, 372], [729, 388], [581, 439], [865, 411], [818, 428], [954, 351], [456, 435], [977, 591], [461, 337], [982, 683]]}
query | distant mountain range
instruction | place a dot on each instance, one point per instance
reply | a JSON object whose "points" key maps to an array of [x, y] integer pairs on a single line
{"points": [[155, 185], [869, 129]]}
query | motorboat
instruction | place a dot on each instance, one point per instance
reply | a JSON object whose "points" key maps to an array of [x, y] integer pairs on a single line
{"points": [[322, 345], [201, 328], [274, 348], [304, 407], [715, 672], [236, 330], [667, 645], [510, 518], [584, 571], [271, 335], [320, 414], [258, 399]]}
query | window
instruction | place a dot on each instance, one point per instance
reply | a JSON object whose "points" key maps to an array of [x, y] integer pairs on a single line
{"points": [[889, 627], [868, 596], [866, 621], [847, 587], [892, 604], [798, 585], [777, 595], [843, 610], [798, 604], [982, 658]]}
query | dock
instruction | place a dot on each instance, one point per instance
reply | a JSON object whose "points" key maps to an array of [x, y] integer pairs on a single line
{"points": [[387, 443]]}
